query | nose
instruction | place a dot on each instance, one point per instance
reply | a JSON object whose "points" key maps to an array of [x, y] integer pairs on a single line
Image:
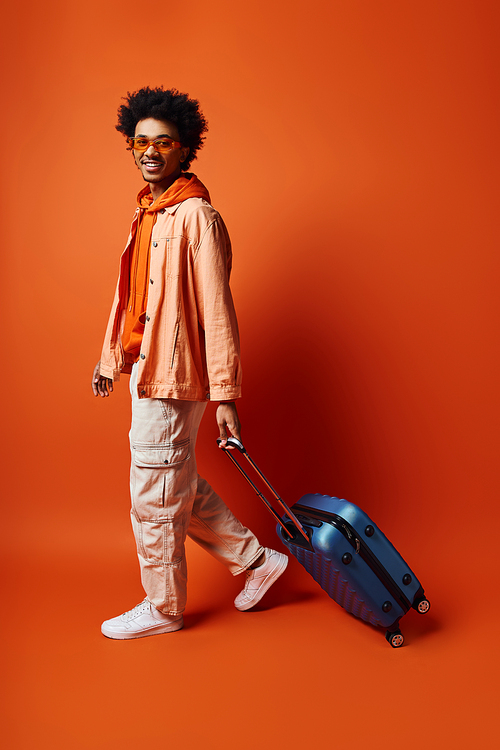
{"points": [[150, 151]]}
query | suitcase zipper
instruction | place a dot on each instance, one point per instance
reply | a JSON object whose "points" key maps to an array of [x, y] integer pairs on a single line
{"points": [[362, 549]]}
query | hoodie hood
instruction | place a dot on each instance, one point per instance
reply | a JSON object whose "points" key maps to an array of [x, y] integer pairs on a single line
{"points": [[186, 186]]}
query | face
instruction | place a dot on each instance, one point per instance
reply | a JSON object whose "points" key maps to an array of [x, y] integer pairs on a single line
{"points": [[160, 170]]}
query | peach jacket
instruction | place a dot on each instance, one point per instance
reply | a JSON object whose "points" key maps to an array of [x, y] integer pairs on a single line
{"points": [[190, 347]]}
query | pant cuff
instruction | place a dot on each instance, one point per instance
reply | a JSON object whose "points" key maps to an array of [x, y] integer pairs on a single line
{"points": [[250, 563]]}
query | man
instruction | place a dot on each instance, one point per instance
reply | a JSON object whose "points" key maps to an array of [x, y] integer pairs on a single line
{"points": [[173, 328]]}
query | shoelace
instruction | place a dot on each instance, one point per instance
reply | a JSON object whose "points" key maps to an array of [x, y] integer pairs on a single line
{"points": [[139, 609]]}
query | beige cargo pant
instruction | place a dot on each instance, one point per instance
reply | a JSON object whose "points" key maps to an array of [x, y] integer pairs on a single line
{"points": [[170, 500]]}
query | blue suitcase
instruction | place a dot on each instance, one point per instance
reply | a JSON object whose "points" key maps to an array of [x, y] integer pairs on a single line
{"points": [[347, 554]]}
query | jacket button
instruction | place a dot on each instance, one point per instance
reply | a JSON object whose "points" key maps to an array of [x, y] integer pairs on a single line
{"points": [[143, 392], [143, 356], [155, 244], [207, 395], [162, 210], [147, 318], [151, 281]]}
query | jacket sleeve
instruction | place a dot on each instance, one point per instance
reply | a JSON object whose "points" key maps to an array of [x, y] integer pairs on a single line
{"points": [[216, 313]]}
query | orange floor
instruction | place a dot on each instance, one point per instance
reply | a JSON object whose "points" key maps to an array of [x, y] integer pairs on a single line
{"points": [[298, 671]]}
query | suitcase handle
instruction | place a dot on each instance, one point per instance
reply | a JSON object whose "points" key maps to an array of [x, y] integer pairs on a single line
{"points": [[233, 442]]}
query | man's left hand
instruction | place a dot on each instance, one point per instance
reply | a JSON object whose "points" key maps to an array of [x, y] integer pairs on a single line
{"points": [[228, 420]]}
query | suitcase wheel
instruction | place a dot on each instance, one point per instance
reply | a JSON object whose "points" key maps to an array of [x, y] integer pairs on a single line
{"points": [[395, 638], [422, 605]]}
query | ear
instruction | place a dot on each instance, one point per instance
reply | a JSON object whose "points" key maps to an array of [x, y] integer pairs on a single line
{"points": [[184, 153]]}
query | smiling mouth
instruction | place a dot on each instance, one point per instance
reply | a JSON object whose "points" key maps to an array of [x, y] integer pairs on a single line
{"points": [[152, 164]]}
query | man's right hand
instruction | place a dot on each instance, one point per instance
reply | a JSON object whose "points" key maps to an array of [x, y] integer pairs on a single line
{"points": [[101, 386]]}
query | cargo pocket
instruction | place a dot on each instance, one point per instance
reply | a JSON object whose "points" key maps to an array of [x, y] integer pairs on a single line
{"points": [[155, 456], [152, 540], [161, 498]]}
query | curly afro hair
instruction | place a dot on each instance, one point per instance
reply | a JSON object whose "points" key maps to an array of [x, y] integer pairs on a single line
{"points": [[169, 105]]}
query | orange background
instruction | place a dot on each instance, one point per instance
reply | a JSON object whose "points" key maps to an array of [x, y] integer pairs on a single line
{"points": [[353, 152]]}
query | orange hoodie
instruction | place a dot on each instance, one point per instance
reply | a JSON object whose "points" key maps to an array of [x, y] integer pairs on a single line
{"points": [[186, 186]]}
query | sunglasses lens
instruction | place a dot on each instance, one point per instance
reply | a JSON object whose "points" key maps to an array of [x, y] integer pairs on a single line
{"points": [[140, 144], [162, 145]]}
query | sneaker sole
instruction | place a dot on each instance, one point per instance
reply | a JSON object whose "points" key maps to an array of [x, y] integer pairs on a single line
{"points": [[155, 630], [272, 577]]}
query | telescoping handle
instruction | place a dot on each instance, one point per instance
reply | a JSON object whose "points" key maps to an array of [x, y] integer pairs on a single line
{"points": [[235, 443]]}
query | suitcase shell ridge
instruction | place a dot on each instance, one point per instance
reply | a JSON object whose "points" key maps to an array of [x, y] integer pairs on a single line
{"points": [[337, 586]]}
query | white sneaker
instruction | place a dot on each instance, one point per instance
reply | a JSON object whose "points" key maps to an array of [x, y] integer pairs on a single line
{"points": [[260, 579], [141, 621]]}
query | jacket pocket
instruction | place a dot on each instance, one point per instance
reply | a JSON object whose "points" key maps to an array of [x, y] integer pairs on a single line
{"points": [[156, 456], [174, 345], [176, 249]]}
